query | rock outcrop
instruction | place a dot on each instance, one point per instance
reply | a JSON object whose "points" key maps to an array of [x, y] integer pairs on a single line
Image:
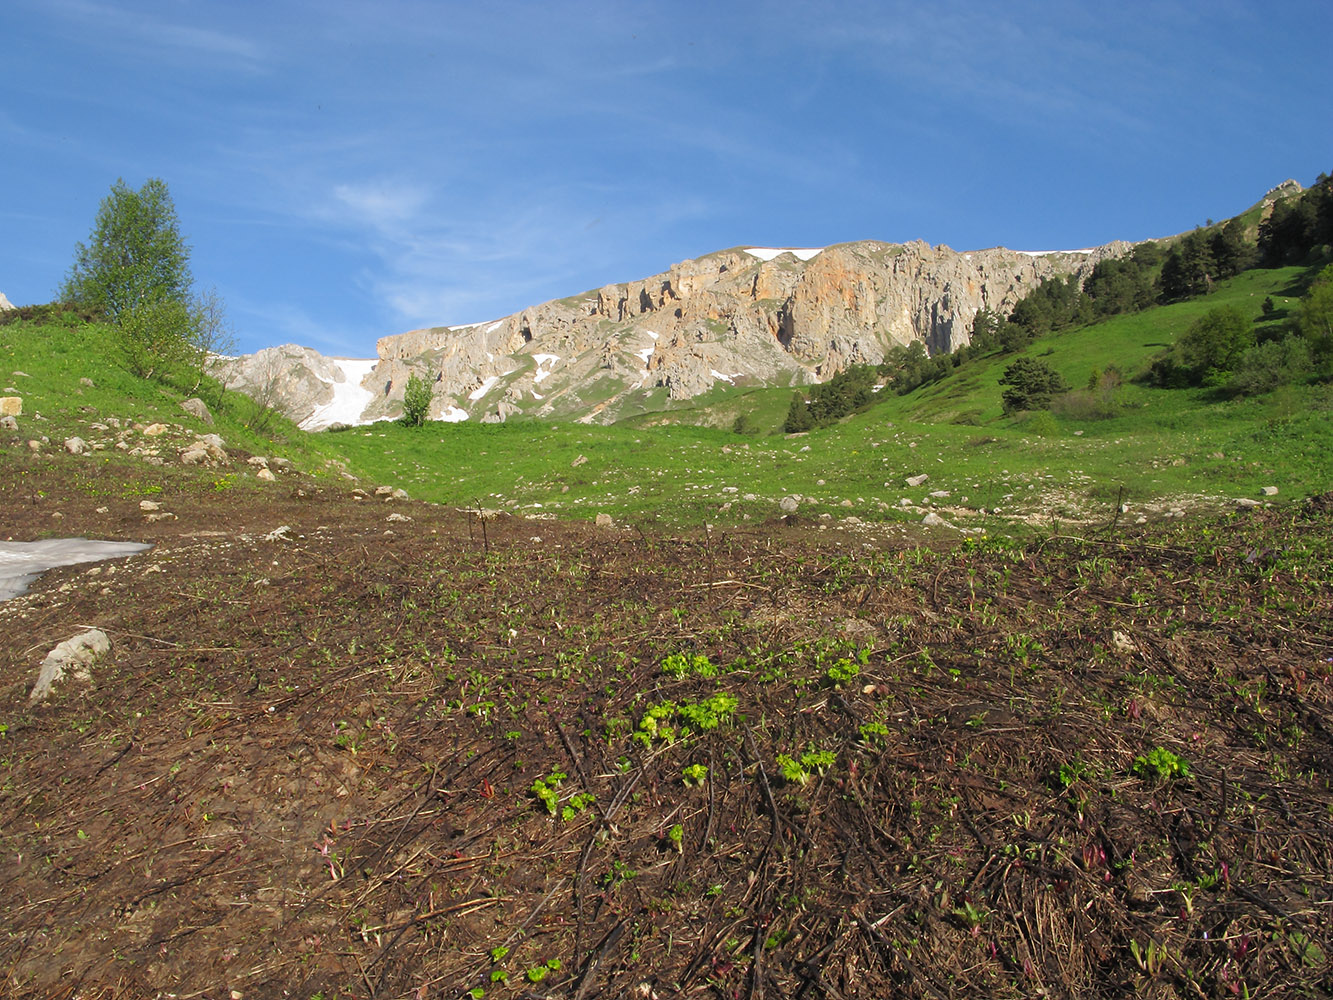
{"points": [[300, 383], [5, 303], [753, 316], [739, 316]]}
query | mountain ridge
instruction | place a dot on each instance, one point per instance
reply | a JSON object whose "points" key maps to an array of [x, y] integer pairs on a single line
{"points": [[743, 315]]}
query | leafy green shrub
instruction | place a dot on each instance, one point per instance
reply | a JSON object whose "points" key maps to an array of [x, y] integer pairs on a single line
{"points": [[416, 401], [1032, 385], [1161, 764]]}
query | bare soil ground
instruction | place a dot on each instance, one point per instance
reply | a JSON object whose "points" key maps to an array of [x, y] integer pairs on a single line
{"points": [[444, 756]]}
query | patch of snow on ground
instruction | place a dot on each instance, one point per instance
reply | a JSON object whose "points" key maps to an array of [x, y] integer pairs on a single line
{"points": [[651, 334], [349, 399], [495, 326], [542, 361], [645, 354], [768, 253], [730, 379], [536, 394], [486, 386], [23, 562], [1047, 253], [453, 415]]}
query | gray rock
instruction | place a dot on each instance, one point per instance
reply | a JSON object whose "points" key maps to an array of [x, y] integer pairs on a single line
{"points": [[915, 481], [605, 521], [86, 382], [76, 445], [11, 406], [1269, 491], [8, 423], [789, 505], [74, 657], [933, 520], [207, 451], [197, 408], [1247, 503]]}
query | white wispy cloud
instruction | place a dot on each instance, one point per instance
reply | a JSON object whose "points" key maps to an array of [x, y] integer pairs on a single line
{"points": [[157, 33]]}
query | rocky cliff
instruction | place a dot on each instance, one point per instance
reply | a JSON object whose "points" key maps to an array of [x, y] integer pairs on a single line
{"points": [[310, 389], [741, 316]]}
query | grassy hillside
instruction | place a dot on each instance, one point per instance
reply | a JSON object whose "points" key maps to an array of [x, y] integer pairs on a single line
{"points": [[1164, 448], [70, 378]]}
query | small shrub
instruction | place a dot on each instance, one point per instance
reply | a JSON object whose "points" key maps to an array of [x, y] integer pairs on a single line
{"points": [[1161, 764]]}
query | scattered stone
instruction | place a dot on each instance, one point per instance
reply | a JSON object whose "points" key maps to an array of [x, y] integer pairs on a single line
{"points": [[155, 430], [398, 495], [1123, 643], [578, 461], [34, 446], [904, 502], [395, 517], [605, 521], [789, 505], [258, 461], [279, 534], [851, 520], [266, 475], [940, 494], [1247, 503], [359, 494], [19, 374], [149, 505], [206, 450], [1269, 491], [8, 423], [197, 408], [162, 515], [86, 382], [846, 503], [75, 656], [11, 406], [76, 445], [933, 520], [915, 481], [281, 464], [383, 491]]}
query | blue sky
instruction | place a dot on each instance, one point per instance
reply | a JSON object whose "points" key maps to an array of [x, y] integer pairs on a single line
{"points": [[345, 171]]}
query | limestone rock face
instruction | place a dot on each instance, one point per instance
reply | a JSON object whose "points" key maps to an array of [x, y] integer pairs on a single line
{"points": [[293, 380], [739, 316], [5, 303]]}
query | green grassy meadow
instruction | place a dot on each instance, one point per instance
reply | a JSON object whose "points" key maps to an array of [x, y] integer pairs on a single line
{"points": [[1163, 448]]}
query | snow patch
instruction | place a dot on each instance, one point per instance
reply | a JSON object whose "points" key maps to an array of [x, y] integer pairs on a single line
{"points": [[486, 386], [453, 415], [23, 562], [536, 394], [729, 379], [543, 360], [768, 253], [1047, 253], [349, 399], [495, 326]]}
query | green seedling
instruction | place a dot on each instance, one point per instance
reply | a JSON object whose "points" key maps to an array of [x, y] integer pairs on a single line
{"points": [[694, 774], [1161, 764]]}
